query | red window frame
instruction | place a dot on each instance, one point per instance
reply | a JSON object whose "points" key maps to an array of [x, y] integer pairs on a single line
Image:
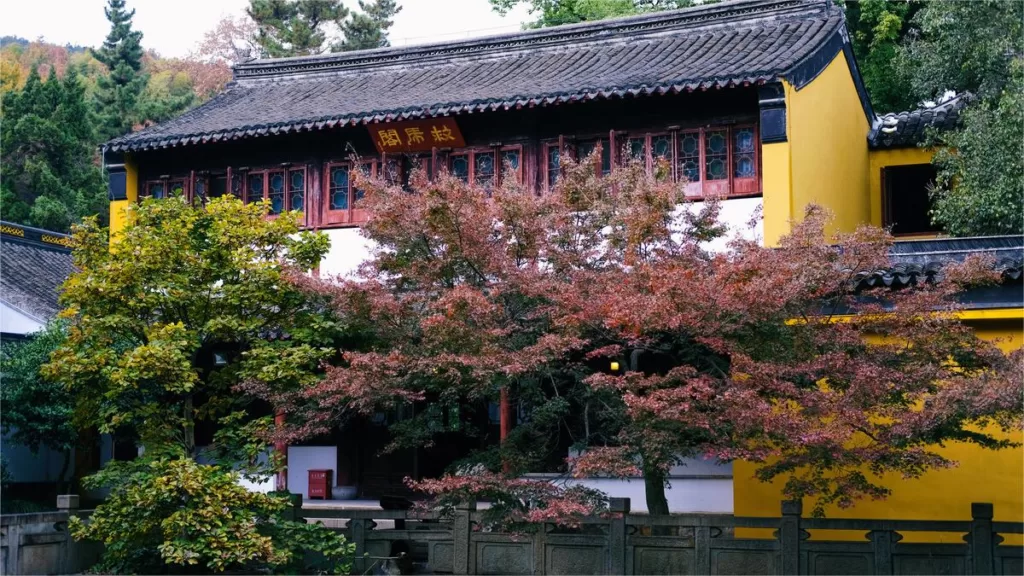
{"points": [[351, 214], [264, 175], [546, 178], [168, 182], [730, 186], [605, 143], [498, 153]]}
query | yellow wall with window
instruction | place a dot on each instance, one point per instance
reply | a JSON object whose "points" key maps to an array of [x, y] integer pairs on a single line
{"points": [[118, 214], [995, 476], [879, 159], [825, 160]]}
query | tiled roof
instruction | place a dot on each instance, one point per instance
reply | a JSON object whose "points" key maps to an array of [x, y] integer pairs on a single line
{"points": [[33, 265], [916, 261], [706, 47], [908, 129]]}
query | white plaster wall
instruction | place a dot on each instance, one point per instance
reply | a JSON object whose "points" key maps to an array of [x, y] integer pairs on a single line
{"points": [[696, 485], [736, 214], [14, 321], [684, 495], [25, 466], [348, 250], [264, 484], [302, 459]]}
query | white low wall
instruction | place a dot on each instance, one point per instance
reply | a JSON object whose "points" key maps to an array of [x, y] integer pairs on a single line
{"points": [[302, 459], [696, 486]]}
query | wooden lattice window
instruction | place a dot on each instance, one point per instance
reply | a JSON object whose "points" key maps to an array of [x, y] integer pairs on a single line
{"points": [[341, 196]]}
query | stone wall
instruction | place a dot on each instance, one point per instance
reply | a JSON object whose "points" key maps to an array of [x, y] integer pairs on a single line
{"points": [[626, 543]]}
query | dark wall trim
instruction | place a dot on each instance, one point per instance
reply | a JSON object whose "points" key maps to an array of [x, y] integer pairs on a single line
{"points": [[805, 72], [11, 232]]}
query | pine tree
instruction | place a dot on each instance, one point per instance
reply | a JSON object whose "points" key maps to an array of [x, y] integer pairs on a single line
{"points": [[51, 177], [369, 28], [295, 27], [118, 94]]}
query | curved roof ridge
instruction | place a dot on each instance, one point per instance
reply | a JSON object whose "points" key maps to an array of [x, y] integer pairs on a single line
{"points": [[692, 18], [750, 42]]}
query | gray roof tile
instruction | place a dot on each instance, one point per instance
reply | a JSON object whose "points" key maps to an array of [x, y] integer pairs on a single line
{"points": [[910, 128], [726, 44], [33, 265]]}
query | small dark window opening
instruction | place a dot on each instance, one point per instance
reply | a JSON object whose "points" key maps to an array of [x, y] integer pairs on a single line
{"points": [[905, 198]]}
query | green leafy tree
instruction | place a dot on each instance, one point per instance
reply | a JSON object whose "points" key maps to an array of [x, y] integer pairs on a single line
{"points": [[295, 27], [47, 148], [965, 47], [975, 47], [117, 94], [200, 519], [558, 12], [877, 30], [37, 411], [369, 28], [980, 186], [309, 27], [167, 326]]}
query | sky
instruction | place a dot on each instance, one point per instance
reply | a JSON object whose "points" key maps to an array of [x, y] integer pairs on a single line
{"points": [[174, 27]]}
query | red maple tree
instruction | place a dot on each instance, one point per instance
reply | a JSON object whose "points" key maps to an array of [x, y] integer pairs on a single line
{"points": [[771, 355]]}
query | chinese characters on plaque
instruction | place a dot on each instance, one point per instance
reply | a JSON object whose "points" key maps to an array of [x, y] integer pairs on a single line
{"points": [[416, 135]]}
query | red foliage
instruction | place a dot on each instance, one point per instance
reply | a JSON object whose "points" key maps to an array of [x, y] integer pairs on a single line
{"points": [[766, 354]]}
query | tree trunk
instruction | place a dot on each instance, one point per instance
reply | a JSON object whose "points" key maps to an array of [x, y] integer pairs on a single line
{"points": [[654, 484]]}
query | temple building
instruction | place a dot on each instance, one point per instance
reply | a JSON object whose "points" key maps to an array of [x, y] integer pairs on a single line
{"points": [[756, 100]]}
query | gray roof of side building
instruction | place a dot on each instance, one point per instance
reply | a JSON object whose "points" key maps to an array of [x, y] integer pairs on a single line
{"points": [[33, 265], [910, 128], [919, 261], [732, 43]]}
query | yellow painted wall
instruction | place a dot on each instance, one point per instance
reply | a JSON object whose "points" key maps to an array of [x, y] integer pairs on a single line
{"points": [[828, 154], [879, 159], [776, 182], [118, 216], [982, 475]]}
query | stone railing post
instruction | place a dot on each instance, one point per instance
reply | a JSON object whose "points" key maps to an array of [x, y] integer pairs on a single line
{"points": [[462, 532], [790, 536], [618, 507], [357, 529], [70, 561], [982, 539], [882, 542]]}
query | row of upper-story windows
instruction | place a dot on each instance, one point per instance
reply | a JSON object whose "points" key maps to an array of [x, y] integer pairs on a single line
{"points": [[719, 160]]}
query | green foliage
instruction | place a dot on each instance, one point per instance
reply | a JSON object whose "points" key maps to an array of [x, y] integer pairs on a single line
{"points": [[558, 12], [180, 516], [369, 28], [167, 326], [118, 93], [980, 188], [294, 27], [305, 27], [975, 47], [47, 148], [877, 29], [37, 411], [183, 287], [965, 47]]}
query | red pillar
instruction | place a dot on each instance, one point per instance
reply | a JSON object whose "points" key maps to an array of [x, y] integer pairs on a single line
{"points": [[281, 481], [505, 415]]}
